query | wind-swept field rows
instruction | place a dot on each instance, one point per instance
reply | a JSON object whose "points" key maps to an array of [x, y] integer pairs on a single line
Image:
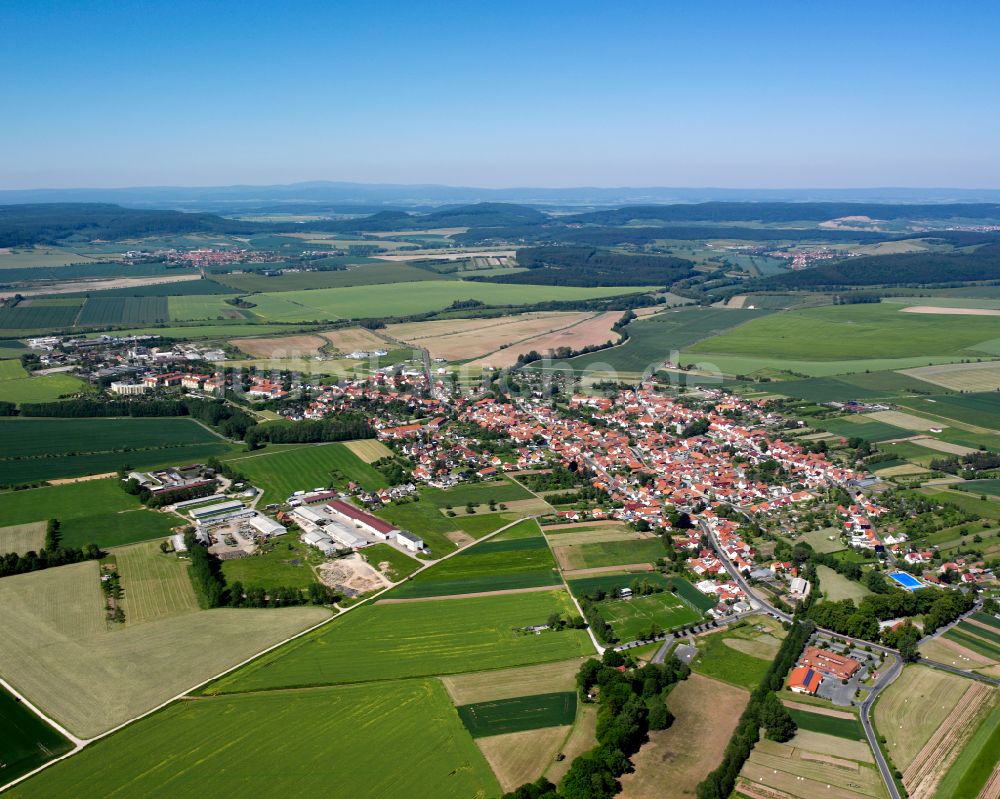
{"points": [[285, 744], [156, 585]]}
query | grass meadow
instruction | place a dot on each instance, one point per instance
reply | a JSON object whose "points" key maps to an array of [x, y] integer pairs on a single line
{"points": [[726, 655], [17, 387], [609, 553], [415, 639], [155, 585], [281, 562], [281, 472], [828, 725], [284, 744], [91, 512]]}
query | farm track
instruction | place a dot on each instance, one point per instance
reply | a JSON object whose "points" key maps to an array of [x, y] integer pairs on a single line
{"points": [[931, 763]]}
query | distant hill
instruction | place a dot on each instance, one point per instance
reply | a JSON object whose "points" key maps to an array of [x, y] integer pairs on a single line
{"points": [[782, 212], [53, 223], [476, 215]]}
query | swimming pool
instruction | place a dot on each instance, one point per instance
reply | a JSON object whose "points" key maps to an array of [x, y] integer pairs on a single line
{"points": [[908, 581]]}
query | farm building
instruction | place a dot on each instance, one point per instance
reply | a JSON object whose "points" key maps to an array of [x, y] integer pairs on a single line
{"points": [[804, 680], [412, 542], [322, 542], [829, 664], [222, 510], [372, 524], [267, 527]]}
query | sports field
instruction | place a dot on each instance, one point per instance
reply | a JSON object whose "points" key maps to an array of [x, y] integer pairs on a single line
{"points": [[155, 585], [518, 714], [379, 642], [91, 512], [25, 740], [635, 618], [490, 566], [62, 654], [281, 472], [285, 744], [405, 299]]}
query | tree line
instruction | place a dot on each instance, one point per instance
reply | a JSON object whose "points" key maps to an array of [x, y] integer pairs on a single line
{"points": [[52, 554]]}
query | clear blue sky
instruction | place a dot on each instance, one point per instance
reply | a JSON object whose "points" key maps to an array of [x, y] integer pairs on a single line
{"points": [[542, 93]]}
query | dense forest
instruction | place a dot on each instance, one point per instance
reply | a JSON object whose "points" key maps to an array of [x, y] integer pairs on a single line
{"points": [[52, 223], [477, 215], [586, 266], [906, 269]]}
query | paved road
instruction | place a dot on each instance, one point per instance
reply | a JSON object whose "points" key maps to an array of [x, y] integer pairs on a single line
{"points": [[885, 679]]}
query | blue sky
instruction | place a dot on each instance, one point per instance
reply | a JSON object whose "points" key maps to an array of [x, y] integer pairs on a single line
{"points": [[544, 93]]}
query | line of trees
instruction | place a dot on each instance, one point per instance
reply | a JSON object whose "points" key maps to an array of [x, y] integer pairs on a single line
{"points": [[344, 427], [53, 554], [761, 711], [632, 702], [938, 607]]}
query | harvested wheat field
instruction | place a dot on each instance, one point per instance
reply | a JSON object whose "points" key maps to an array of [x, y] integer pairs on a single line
{"points": [[473, 338], [932, 762], [487, 686], [914, 706], [934, 309], [281, 347], [954, 654], [369, 449], [782, 770], [683, 754], [22, 538], [907, 421], [984, 376], [582, 738], [519, 757], [591, 331], [353, 339]]}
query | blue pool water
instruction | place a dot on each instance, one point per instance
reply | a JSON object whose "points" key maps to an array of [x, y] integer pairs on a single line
{"points": [[908, 581]]}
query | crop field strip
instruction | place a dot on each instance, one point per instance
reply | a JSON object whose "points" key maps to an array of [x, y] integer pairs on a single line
{"points": [[433, 755], [849, 729], [608, 553], [518, 714], [95, 511], [417, 639], [155, 585], [26, 741]]}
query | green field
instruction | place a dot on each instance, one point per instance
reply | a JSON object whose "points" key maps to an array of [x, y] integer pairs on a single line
{"points": [[724, 661], [399, 565], [104, 311], [483, 524], [521, 713], [283, 561], [985, 508], [476, 493], [414, 639], [847, 387], [975, 629], [981, 409], [652, 340], [191, 307], [837, 587], [846, 332], [633, 618], [96, 511], [404, 299], [25, 740], [829, 725], [490, 566], [857, 427], [990, 487], [974, 642], [18, 388], [41, 317], [281, 472], [678, 586], [611, 553], [426, 520], [369, 274], [986, 618], [285, 744], [26, 437]]}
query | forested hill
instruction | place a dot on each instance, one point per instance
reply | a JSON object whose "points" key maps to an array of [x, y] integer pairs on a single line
{"points": [[586, 266], [52, 223], [903, 269], [477, 215], [782, 212]]}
